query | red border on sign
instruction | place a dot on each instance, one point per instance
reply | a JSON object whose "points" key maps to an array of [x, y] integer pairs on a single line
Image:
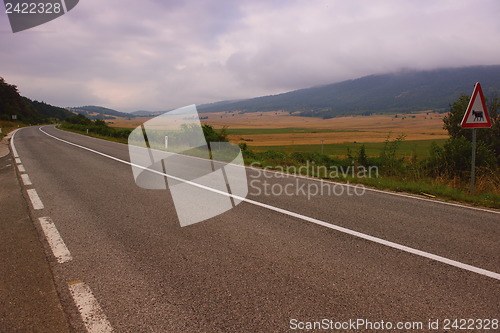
{"points": [[487, 124]]}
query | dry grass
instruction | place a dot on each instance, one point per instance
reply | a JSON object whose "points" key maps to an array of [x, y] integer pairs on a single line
{"points": [[125, 123], [7, 126], [422, 125], [326, 138]]}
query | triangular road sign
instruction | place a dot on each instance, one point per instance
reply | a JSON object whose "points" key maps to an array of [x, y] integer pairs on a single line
{"points": [[477, 115]]}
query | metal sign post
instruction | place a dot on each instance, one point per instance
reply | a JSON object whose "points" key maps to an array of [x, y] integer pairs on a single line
{"points": [[476, 116], [473, 162]]}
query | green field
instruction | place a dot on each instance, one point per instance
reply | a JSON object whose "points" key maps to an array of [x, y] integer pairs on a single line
{"points": [[256, 131], [406, 148]]}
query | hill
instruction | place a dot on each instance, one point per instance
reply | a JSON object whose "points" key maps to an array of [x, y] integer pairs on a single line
{"points": [[404, 91], [105, 113], [24, 109], [144, 113]]}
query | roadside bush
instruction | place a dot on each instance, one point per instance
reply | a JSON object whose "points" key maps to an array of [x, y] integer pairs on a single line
{"points": [[80, 123], [454, 158], [390, 163]]}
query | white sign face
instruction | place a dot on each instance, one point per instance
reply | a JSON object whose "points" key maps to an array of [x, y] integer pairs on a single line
{"points": [[476, 115]]}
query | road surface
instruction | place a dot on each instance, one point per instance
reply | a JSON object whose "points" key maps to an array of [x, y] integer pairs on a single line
{"points": [[127, 265]]}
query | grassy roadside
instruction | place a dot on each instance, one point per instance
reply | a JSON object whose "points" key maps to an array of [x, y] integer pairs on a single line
{"points": [[442, 189], [7, 126], [430, 188], [5, 131], [94, 135]]}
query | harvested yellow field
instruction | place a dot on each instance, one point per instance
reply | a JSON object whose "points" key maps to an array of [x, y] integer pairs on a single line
{"points": [[423, 125], [318, 138], [126, 123], [417, 126]]}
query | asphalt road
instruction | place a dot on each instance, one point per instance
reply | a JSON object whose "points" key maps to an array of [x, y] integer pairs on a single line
{"points": [[255, 268]]}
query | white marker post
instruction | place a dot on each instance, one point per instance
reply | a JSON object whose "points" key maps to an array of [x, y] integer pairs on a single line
{"points": [[476, 116]]}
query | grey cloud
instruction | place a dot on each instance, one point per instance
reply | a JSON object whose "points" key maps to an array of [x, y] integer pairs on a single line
{"points": [[164, 54]]}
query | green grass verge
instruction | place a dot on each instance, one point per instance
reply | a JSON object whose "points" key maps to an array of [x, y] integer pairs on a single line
{"points": [[428, 186], [406, 148], [425, 187], [103, 137]]}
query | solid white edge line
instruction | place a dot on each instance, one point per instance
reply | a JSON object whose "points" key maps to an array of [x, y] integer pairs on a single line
{"points": [[91, 312], [381, 241], [13, 147], [56, 243], [380, 191], [35, 199], [26, 179]]}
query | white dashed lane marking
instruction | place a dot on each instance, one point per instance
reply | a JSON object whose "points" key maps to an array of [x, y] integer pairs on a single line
{"points": [[55, 240], [35, 199], [26, 179], [93, 316]]}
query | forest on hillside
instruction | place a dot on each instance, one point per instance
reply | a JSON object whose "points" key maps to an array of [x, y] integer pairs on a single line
{"points": [[26, 110]]}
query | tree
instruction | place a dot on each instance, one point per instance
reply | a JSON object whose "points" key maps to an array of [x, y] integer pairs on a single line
{"points": [[212, 135], [79, 119], [454, 158], [390, 162], [100, 122], [362, 157], [489, 136]]}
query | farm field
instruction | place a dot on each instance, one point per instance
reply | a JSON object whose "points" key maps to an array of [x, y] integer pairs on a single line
{"points": [[406, 148], [284, 132]]}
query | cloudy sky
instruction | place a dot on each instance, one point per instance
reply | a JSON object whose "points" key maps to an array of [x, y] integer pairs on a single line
{"points": [[160, 54]]}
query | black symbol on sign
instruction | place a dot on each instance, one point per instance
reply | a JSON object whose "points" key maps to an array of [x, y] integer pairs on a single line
{"points": [[478, 115]]}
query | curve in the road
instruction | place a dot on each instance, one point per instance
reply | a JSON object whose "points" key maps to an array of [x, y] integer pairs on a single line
{"points": [[354, 233]]}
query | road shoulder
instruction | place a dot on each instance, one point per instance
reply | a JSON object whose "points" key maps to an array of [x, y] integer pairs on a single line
{"points": [[4, 145], [28, 297]]}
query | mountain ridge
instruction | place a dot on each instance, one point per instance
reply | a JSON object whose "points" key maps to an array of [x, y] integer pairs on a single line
{"points": [[404, 91], [398, 92]]}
